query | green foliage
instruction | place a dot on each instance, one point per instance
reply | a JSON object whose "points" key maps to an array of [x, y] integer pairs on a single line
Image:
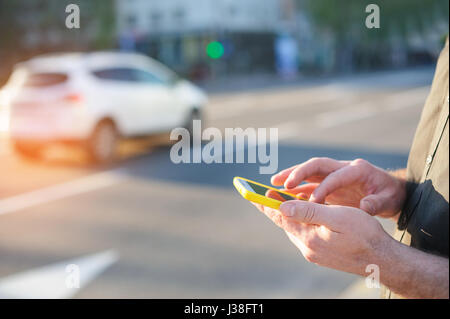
{"points": [[30, 27], [18, 17], [346, 18]]}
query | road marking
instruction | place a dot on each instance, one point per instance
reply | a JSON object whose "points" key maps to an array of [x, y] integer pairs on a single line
{"points": [[51, 281], [59, 191], [230, 107], [334, 118], [393, 102], [326, 95], [407, 98], [288, 130], [304, 97]]}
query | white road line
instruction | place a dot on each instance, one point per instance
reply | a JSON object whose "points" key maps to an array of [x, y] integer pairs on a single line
{"points": [[394, 102], [230, 107], [288, 130], [327, 96], [335, 118], [59, 280], [59, 191], [407, 98], [307, 97]]}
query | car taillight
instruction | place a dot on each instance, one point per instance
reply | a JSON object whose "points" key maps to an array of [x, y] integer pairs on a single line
{"points": [[74, 98]]}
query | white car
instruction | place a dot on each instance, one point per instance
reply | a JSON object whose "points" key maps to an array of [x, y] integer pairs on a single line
{"points": [[95, 98]]}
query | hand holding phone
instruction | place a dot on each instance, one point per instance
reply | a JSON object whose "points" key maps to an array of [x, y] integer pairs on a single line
{"points": [[262, 194]]}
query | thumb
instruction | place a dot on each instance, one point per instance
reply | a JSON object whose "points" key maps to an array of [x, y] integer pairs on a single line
{"points": [[373, 204], [311, 213]]}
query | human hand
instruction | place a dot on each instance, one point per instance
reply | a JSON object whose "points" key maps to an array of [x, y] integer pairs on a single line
{"points": [[338, 237], [349, 183]]}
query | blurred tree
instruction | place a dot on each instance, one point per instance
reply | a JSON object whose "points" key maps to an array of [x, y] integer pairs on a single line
{"points": [[400, 20], [8, 19], [29, 27]]}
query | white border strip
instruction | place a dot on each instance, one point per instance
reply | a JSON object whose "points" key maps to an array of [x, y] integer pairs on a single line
{"points": [[59, 191]]}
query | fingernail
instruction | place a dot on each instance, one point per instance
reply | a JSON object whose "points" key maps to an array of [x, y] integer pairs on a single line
{"points": [[287, 209]]}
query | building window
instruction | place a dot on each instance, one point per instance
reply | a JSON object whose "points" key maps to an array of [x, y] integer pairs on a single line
{"points": [[155, 18], [232, 10], [131, 20], [179, 14]]}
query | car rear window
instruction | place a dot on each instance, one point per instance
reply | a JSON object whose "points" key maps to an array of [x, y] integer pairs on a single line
{"points": [[118, 74], [128, 75], [45, 79]]}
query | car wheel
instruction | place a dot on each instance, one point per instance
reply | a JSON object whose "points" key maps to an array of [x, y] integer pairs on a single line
{"points": [[102, 145]]}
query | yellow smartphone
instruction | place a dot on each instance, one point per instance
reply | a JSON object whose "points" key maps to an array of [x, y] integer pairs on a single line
{"points": [[262, 194]]}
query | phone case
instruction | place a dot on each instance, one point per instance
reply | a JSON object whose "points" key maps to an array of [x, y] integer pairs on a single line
{"points": [[256, 198]]}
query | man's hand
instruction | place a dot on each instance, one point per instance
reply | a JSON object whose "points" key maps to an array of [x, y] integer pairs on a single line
{"points": [[343, 238], [349, 183], [348, 239]]}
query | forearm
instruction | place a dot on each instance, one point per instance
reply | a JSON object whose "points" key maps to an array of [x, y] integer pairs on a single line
{"points": [[412, 273]]}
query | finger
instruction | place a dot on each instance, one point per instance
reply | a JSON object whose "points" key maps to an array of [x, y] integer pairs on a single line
{"points": [[274, 195], [277, 218], [314, 179], [302, 196], [342, 177], [302, 192], [313, 213], [279, 178], [313, 167], [375, 204], [305, 189]]}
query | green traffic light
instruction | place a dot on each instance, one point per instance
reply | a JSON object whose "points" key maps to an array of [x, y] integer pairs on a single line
{"points": [[215, 50]]}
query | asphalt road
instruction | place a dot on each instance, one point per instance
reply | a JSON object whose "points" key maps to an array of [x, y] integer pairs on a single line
{"points": [[182, 231]]}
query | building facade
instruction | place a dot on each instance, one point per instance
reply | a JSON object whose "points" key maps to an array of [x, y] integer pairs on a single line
{"points": [[177, 32]]}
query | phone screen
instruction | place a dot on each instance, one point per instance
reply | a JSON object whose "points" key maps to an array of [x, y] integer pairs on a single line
{"points": [[264, 191]]}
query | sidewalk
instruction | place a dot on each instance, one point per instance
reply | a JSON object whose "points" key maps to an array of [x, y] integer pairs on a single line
{"points": [[410, 77]]}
